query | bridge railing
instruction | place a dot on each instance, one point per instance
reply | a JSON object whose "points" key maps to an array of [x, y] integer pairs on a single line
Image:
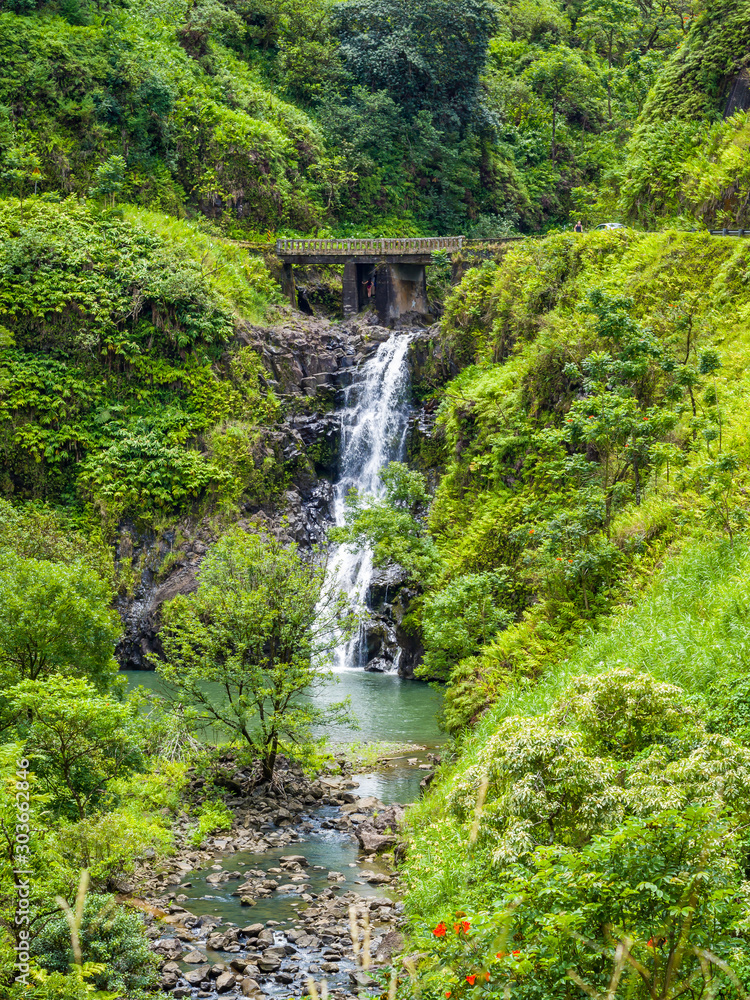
{"points": [[368, 247]]}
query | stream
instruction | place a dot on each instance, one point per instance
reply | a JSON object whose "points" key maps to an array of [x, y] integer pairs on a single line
{"points": [[304, 869]]}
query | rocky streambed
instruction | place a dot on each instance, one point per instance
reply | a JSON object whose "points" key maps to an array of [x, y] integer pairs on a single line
{"points": [[259, 910]]}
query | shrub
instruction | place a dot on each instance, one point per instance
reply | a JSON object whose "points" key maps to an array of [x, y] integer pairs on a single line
{"points": [[111, 936], [212, 816]]}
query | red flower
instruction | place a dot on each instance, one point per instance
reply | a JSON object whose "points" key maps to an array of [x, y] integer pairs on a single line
{"points": [[487, 976], [500, 954], [462, 925], [447, 994], [516, 954], [440, 930], [650, 943], [471, 980]]}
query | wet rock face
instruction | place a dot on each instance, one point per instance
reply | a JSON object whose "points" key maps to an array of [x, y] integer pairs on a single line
{"points": [[168, 564], [148, 554], [387, 643], [309, 357], [310, 361]]}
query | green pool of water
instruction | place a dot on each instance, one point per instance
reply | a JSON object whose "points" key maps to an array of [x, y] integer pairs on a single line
{"points": [[387, 708]]}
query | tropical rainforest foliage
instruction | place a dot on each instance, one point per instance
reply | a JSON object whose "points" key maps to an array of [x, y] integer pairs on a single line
{"points": [[373, 113], [573, 528], [583, 566]]}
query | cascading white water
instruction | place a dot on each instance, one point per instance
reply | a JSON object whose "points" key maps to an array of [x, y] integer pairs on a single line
{"points": [[374, 422]]}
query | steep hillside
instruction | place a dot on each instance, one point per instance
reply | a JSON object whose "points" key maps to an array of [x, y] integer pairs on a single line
{"points": [[587, 829], [688, 154], [142, 107], [366, 115], [120, 388], [597, 421]]}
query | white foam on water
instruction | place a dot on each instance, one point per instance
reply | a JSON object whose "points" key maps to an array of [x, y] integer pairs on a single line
{"points": [[374, 422]]}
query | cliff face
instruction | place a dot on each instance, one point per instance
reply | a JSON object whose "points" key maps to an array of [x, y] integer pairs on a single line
{"points": [[309, 362]]}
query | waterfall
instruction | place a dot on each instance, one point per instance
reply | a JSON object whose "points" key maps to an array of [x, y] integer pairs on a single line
{"points": [[374, 421]]}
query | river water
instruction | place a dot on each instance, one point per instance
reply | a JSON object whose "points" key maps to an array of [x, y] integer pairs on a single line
{"points": [[387, 708]]}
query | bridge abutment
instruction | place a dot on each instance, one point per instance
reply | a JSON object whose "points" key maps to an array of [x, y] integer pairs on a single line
{"points": [[400, 289], [288, 286], [354, 286], [349, 289]]}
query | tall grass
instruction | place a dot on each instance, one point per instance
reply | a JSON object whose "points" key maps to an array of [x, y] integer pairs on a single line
{"points": [[690, 627]]}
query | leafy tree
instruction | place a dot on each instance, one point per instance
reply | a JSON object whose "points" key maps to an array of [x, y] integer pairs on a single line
{"points": [[709, 363], [20, 171], [622, 712], [562, 77], [542, 787], [666, 888], [460, 618], [427, 54], [76, 740], [568, 553], [55, 619], [308, 63], [248, 646], [109, 179], [610, 25], [394, 524], [721, 487], [617, 383]]}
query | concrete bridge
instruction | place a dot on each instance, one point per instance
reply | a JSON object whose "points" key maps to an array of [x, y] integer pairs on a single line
{"points": [[395, 268]]}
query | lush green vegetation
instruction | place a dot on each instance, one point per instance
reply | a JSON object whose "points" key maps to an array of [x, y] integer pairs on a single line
{"points": [[367, 114], [105, 775], [575, 530], [122, 391], [603, 805], [684, 161], [584, 568], [596, 423]]}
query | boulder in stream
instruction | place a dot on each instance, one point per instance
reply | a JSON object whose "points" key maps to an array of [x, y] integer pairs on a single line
{"points": [[225, 982], [197, 975], [371, 840], [194, 957]]}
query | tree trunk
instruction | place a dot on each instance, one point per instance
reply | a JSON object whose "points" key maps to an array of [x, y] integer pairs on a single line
{"points": [[554, 128], [269, 761]]}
